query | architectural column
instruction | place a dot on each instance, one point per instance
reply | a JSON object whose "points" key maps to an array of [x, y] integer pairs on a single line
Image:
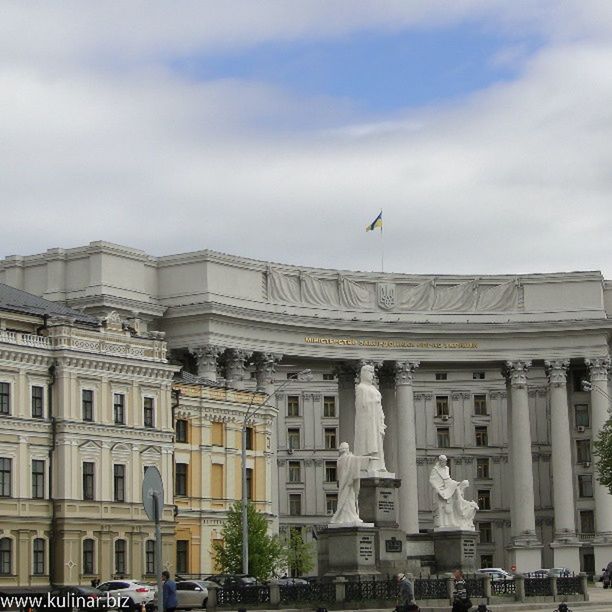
{"points": [[387, 390], [406, 447], [346, 373], [266, 368], [207, 359], [600, 405], [525, 549], [235, 362], [566, 548]]}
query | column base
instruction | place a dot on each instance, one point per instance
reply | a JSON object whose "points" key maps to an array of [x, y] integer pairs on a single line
{"points": [[566, 553], [602, 549], [525, 553]]}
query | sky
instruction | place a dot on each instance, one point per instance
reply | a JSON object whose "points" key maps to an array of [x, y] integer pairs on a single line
{"points": [[278, 130]]}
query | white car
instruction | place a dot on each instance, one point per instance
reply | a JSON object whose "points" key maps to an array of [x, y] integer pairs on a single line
{"points": [[189, 594], [496, 573], [133, 592]]}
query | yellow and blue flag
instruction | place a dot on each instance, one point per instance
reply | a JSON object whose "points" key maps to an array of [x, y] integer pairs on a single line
{"points": [[376, 223]]}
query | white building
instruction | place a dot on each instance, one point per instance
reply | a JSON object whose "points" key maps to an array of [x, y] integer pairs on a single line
{"points": [[486, 369]]}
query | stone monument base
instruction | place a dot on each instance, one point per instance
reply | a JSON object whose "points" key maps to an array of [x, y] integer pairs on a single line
{"points": [[348, 551], [525, 553], [455, 550]]}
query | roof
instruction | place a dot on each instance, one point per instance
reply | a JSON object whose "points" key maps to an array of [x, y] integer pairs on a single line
{"points": [[16, 300], [187, 378]]}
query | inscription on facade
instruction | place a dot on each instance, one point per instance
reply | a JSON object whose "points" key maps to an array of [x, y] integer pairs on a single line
{"points": [[392, 344], [386, 503], [393, 545], [366, 548], [469, 549]]}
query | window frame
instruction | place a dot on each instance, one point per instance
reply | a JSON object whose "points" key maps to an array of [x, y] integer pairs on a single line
{"points": [[294, 432], [120, 552], [482, 495], [37, 404], [331, 497], [480, 462], [443, 431], [88, 563], [6, 477], [119, 408], [329, 401], [181, 479], [330, 465], [38, 478], [294, 467], [38, 557], [148, 411], [6, 556], [295, 497], [443, 407], [584, 412], [87, 405], [330, 434], [119, 482], [150, 557], [583, 487], [184, 556], [293, 406], [481, 407], [88, 480], [481, 435], [5, 398], [181, 435]]}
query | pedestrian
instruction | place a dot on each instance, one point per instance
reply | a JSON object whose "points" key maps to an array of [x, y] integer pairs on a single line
{"points": [[406, 594], [606, 577], [461, 597], [169, 592]]}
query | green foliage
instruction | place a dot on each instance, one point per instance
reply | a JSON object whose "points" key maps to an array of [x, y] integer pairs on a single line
{"points": [[300, 555], [266, 553], [602, 449]]}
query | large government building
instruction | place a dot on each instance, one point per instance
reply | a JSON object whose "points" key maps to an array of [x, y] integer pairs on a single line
{"points": [[487, 370]]}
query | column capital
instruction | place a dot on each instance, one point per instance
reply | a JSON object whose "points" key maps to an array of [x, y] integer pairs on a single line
{"points": [[557, 372], [266, 367], [516, 373], [207, 357], [347, 373], [599, 367], [404, 371]]}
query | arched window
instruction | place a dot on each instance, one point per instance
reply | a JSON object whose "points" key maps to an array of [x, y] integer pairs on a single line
{"points": [[38, 557], [6, 556], [88, 557], [120, 558], [150, 557]]}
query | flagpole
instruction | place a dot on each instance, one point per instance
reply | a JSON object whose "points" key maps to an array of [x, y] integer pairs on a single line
{"points": [[382, 247]]}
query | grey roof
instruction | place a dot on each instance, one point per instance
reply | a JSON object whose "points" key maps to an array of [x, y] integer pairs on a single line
{"points": [[20, 301], [192, 379]]}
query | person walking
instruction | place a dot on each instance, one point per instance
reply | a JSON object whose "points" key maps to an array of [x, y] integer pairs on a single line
{"points": [[406, 594], [169, 591], [461, 597]]}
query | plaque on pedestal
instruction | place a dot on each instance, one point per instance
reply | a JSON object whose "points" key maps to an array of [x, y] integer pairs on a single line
{"points": [[378, 500], [455, 550], [348, 551]]}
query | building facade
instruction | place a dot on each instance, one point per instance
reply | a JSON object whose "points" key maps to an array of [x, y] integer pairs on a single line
{"points": [[488, 370]]}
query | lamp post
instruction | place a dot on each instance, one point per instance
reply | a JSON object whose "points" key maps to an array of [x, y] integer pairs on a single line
{"points": [[249, 414], [587, 386]]}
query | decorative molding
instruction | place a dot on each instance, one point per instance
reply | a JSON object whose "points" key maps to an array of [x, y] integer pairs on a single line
{"points": [[404, 372], [469, 460], [516, 373], [599, 367]]}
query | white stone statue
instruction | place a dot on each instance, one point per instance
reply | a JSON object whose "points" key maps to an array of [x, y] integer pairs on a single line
{"points": [[349, 467], [451, 511], [369, 421]]}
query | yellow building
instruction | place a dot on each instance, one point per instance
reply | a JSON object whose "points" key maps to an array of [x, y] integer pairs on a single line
{"points": [[208, 446]]}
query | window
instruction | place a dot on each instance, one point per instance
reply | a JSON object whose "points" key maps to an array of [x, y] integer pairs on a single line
{"points": [[587, 521], [292, 375], [249, 483], [482, 468], [295, 504], [443, 437], [293, 438], [585, 485], [37, 402], [577, 377], [482, 436], [149, 411], [88, 557], [484, 500], [38, 479], [442, 405], [88, 480], [119, 408], [120, 560], [330, 437], [478, 375], [182, 556], [180, 479], [253, 375], [181, 430], [87, 404], [331, 503], [480, 405], [582, 415], [6, 469], [119, 482], [6, 556], [250, 438], [486, 535], [486, 561], [38, 557], [441, 375], [293, 406], [329, 406], [150, 557], [217, 481], [328, 376], [295, 471], [331, 471], [217, 435], [5, 398], [583, 451]]}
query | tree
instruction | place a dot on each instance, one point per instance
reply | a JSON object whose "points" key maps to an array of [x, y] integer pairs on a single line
{"points": [[266, 553], [300, 555], [602, 449]]}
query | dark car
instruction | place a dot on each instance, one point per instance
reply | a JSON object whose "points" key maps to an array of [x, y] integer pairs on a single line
{"points": [[234, 580], [71, 598]]}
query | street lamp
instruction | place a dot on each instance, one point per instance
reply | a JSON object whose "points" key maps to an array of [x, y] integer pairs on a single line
{"points": [[587, 386], [250, 414]]}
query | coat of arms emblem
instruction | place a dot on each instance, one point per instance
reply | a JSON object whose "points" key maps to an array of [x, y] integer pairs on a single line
{"points": [[386, 295]]}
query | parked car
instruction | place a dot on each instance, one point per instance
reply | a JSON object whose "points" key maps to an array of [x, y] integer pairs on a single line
{"points": [[539, 573], [560, 572], [73, 598], [190, 594], [134, 593], [291, 581], [496, 573], [234, 580]]}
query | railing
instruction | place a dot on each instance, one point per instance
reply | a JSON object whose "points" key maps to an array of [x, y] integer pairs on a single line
{"points": [[538, 587], [24, 339], [569, 585], [230, 596], [503, 587], [313, 592], [431, 588], [371, 590]]}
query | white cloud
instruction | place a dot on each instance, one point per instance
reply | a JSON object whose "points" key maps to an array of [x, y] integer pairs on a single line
{"points": [[101, 141]]}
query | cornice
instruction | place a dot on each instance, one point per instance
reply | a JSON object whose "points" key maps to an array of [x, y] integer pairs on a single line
{"points": [[141, 435]]}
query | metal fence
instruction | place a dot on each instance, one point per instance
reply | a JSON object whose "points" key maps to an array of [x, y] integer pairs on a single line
{"points": [[535, 587], [313, 592], [569, 585], [231, 596], [503, 587], [371, 589], [431, 588]]}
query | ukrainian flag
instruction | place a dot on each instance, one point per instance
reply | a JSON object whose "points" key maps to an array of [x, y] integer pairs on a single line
{"points": [[376, 223]]}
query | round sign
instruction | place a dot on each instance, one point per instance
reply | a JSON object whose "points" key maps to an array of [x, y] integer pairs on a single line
{"points": [[513, 568], [152, 492]]}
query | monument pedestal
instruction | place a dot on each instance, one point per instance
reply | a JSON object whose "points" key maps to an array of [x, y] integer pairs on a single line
{"points": [[525, 553], [455, 550], [348, 551]]}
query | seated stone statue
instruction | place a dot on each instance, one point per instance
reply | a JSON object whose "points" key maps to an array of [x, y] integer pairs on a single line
{"points": [[348, 471], [464, 510]]}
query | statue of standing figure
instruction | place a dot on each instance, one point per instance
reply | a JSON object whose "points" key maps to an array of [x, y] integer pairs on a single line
{"points": [[369, 421], [349, 467], [452, 512]]}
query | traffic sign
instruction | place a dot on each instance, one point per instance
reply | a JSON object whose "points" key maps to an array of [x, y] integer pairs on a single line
{"points": [[153, 494]]}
